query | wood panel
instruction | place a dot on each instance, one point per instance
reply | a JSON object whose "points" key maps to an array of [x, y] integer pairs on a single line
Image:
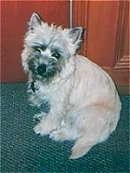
{"points": [[106, 39], [80, 18], [120, 71], [100, 19], [122, 49], [14, 16]]}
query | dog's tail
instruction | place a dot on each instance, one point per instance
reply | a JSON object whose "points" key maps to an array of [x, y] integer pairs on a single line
{"points": [[81, 147]]}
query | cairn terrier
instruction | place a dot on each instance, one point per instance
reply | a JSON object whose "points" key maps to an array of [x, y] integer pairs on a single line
{"points": [[81, 99]]}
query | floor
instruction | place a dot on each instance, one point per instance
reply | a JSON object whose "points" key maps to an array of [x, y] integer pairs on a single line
{"points": [[23, 151]]}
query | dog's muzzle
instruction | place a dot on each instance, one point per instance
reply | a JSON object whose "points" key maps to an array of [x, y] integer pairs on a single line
{"points": [[46, 71], [41, 69]]}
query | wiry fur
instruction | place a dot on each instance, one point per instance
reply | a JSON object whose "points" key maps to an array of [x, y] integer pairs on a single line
{"points": [[84, 103]]}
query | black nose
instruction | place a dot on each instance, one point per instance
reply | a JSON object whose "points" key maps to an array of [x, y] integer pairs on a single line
{"points": [[41, 69]]}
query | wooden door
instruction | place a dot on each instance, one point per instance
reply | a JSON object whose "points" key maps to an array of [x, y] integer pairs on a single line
{"points": [[14, 18], [105, 40], [106, 36]]}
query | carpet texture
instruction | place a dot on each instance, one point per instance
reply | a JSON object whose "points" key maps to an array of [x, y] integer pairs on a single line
{"points": [[22, 151]]}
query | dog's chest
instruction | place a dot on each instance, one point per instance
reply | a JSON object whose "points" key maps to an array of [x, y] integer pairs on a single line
{"points": [[55, 94]]}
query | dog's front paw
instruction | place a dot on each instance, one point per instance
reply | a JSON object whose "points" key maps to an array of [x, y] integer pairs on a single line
{"points": [[58, 135], [45, 127], [41, 130], [38, 117], [38, 129]]}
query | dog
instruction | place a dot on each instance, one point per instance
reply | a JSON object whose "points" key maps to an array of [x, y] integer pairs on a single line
{"points": [[81, 100]]}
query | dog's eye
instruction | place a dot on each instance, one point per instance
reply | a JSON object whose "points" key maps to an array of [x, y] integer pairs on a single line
{"points": [[40, 49], [56, 55], [43, 47]]}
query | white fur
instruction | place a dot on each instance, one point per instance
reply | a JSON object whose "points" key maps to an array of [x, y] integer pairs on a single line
{"points": [[85, 105]]}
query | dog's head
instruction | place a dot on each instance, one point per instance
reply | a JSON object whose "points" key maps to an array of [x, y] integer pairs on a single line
{"points": [[48, 48]]}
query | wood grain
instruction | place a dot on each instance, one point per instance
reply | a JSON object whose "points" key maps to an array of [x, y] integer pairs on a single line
{"points": [[106, 42]]}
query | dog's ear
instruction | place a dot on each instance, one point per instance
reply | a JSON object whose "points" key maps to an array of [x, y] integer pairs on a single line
{"points": [[76, 34], [35, 21]]}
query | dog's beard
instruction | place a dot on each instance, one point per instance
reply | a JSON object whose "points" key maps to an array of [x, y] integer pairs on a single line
{"points": [[44, 71]]}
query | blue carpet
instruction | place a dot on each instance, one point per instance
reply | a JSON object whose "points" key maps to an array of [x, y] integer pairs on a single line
{"points": [[23, 151]]}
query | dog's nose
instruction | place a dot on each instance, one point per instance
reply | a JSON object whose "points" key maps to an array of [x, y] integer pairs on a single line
{"points": [[41, 69]]}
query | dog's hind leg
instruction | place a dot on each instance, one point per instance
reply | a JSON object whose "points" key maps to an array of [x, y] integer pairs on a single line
{"points": [[95, 125]]}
